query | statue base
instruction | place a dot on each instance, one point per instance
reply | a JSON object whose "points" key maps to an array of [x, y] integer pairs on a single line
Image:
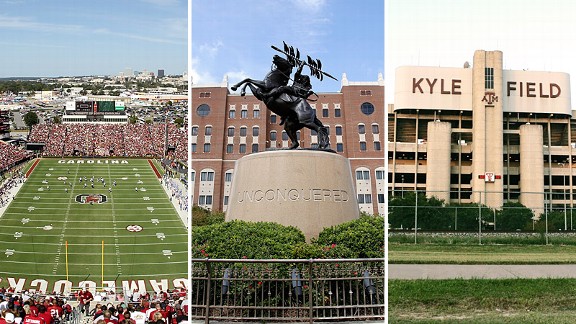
{"points": [[307, 189]]}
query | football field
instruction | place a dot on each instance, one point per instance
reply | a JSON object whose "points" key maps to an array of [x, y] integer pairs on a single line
{"points": [[61, 225]]}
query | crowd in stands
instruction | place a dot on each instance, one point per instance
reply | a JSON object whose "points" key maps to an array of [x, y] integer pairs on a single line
{"points": [[110, 140], [11, 155], [37, 307]]}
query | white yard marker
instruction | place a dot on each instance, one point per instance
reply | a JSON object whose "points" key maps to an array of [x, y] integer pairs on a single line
{"points": [[9, 252], [25, 220], [31, 208], [155, 221], [17, 235], [161, 236], [146, 198], [151, 209]]}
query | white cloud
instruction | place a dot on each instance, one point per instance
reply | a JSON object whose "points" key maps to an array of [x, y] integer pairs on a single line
{"points": [[312, 5], [210, 50]]}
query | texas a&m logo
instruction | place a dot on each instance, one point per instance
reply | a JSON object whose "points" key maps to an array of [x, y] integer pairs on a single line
{"points": [[91, 199]]}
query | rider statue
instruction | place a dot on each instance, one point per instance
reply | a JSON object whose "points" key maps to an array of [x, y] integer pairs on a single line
{"points": [[290, 102], [300, 88]]}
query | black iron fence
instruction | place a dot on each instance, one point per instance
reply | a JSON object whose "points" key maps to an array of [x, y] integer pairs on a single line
{"points": [[287, 290]]}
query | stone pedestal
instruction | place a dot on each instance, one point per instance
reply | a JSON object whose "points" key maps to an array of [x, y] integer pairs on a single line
{"points": [[307, 189]]}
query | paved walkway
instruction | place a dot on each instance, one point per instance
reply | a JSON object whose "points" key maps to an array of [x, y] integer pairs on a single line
{"points": [[455, 271]]}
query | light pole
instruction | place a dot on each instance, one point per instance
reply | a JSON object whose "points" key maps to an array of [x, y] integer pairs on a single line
{"points": [[402, 189], [564, 196]]}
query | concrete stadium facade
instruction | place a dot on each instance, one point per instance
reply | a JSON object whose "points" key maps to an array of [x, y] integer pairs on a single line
{"points": [[483, 134]]}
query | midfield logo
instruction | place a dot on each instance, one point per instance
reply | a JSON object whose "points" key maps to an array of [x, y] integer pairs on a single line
{"points": [[91, 199]]}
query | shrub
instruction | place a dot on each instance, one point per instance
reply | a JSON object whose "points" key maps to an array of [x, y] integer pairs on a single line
{"points": [[360, 238], [239, 239], [202, 217]]}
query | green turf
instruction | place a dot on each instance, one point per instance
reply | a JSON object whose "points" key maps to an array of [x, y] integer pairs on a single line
{"points": [[482, 301], [41, 253]]}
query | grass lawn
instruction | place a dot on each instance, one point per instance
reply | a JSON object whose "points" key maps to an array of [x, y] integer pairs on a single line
{"points": [[481, 254], [482, 301], [135, 235]]}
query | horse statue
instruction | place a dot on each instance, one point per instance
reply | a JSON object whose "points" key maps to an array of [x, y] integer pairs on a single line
{"points": [[288, 102]]}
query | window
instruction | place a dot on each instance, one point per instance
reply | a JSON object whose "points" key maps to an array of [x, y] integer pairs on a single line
{"points": [[362, 146], [338, 130], [365, 92], [376, 146], [244, 113], [230, 131], [324, 112], [193, 175], [193, 147], [204, 94], [337, 112], [273, 135], [209, 200], [242, 148], [255, 131], [242, 131], [203, 110], [339, 147], [232, 114], [256, 113], [298, 135], [284, 136], [207, 176], [379, 175], [202, 200], [364, 198], [208, 130], [489, 78], [375, 129], [229, 148], [255, 148], [207, 148], [362, 175], [225, 200], [272, 119], [228, 177], [361, 129], [367, 108], [380, 198], [313, 132], [194, 130]]}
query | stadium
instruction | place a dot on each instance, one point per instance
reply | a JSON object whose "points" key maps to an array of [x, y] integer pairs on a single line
{"points": [[483, 134], [95, 202]]}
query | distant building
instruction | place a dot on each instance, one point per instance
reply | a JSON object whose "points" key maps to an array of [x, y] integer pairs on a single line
{"points": [[160, 73], [226, 127]]}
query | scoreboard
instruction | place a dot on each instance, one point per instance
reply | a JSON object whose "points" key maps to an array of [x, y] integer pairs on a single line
{"points": [[91, 108]]}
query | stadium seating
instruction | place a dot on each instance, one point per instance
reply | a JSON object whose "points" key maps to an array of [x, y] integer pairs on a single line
{"points": [[110, 140]]}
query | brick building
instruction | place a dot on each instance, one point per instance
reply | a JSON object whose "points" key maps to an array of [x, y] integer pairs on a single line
{"points": [[226, 126]]}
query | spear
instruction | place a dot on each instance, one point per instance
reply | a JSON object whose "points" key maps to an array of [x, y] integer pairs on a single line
{"points": [[313, 65]]}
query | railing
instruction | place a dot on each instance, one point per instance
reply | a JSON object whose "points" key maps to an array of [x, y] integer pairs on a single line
{"points": [[287, 290]]}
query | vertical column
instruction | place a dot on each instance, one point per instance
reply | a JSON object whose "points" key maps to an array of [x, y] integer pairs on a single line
{"points": [[532, 168], [438, 161], [487, 130]]}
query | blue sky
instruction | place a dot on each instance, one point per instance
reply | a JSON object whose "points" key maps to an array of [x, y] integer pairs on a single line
{"points": [[233, 38], [103, 37]]}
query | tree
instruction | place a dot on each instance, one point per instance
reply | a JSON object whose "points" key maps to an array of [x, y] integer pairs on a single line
{"points": [[514, 216], [31, 119], [431, 214], [179, 122], [132, 119]]}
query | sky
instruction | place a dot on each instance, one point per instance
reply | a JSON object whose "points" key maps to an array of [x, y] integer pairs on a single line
{"points": [[535, 35], [234, 38], [104, 37]]}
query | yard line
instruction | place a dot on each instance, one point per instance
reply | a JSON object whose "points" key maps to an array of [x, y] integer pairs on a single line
{"points": [[116, 246], [67, 213]]}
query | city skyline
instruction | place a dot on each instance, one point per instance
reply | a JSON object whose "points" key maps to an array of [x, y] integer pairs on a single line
{"points": [[72, 38]]}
